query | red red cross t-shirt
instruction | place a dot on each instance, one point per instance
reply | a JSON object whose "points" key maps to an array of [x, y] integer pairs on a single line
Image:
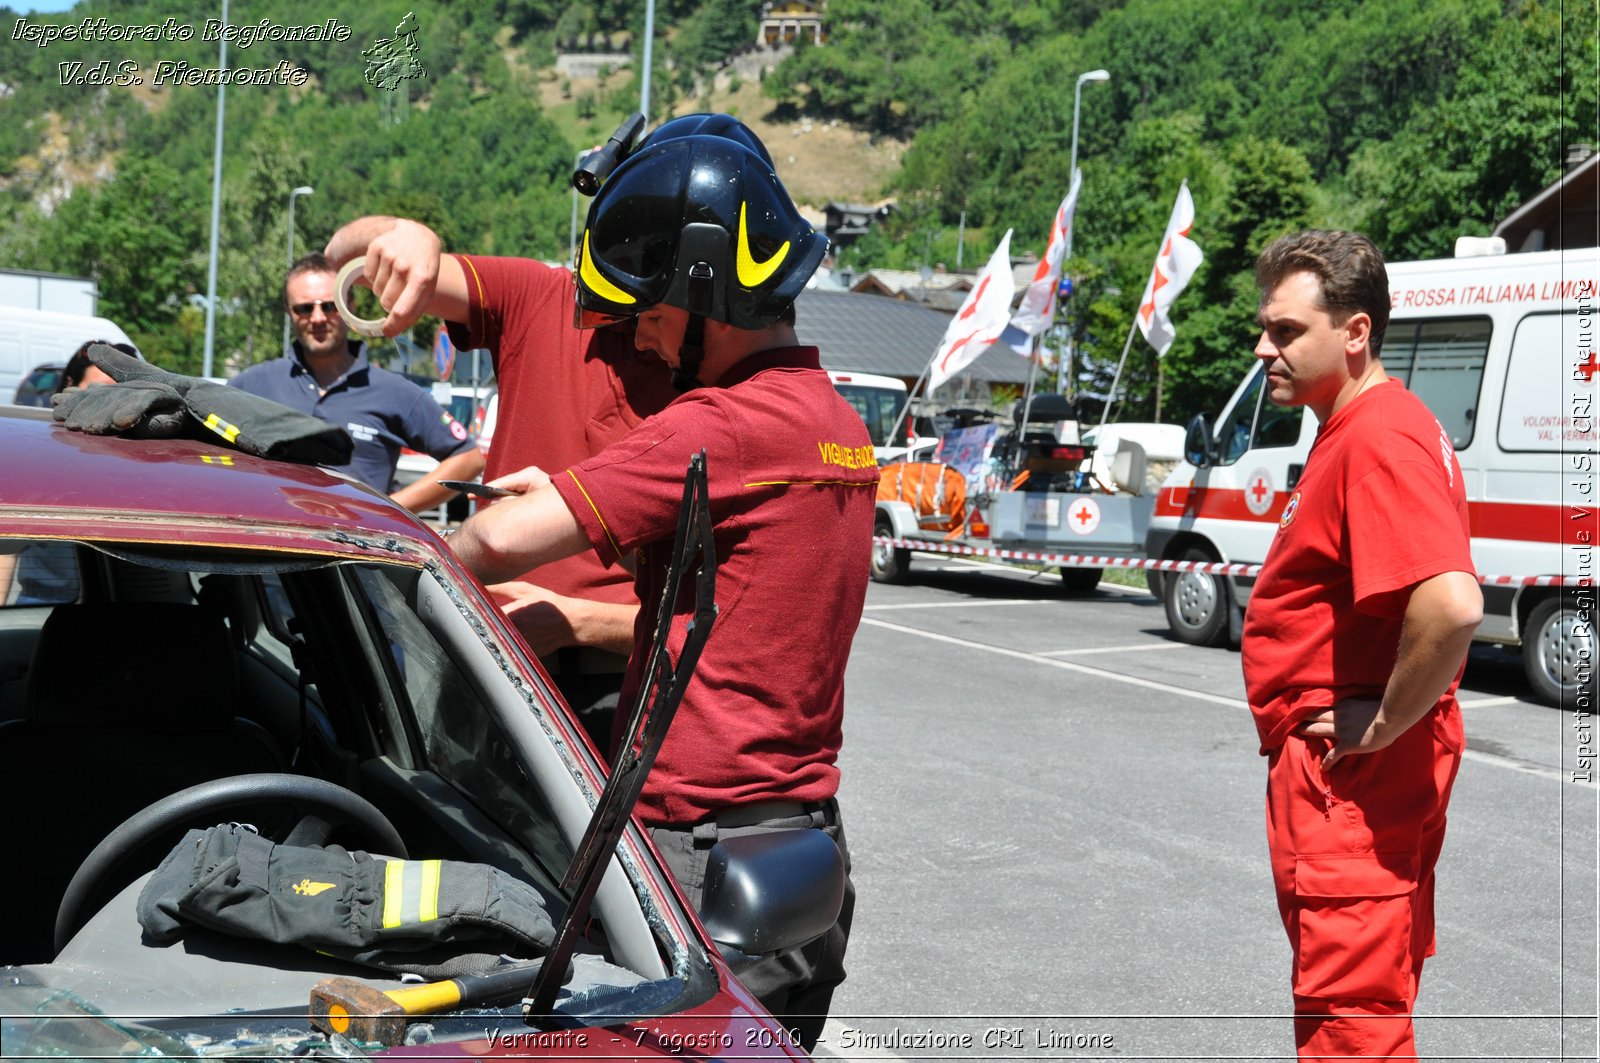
{"points": [[792, 483], [1379, 509]]}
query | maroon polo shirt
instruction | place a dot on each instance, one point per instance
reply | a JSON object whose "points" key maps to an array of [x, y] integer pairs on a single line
{"points": [[792, 484], [565, 393]]}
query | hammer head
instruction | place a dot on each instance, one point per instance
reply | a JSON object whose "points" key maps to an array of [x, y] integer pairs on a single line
{"points": [[357, 1011]]}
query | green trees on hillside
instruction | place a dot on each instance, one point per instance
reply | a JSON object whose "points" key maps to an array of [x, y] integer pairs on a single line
{"points": [[1415, 123]]}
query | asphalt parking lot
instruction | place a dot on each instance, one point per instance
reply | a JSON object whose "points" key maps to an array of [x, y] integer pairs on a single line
{"points": [[1055, 814]]}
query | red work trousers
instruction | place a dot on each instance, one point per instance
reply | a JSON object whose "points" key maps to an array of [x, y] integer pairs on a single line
{"points": [[1353, 851]]}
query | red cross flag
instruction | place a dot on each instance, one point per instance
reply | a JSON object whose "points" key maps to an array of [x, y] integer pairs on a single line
{"points": [[1179, 258], [981, 319], [1038, 305]]}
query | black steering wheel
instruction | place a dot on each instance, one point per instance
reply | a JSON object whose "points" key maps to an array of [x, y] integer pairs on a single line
{"points": [[330, 802]]}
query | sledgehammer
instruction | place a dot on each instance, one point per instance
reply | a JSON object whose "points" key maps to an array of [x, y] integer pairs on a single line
{"points": [[365, 1013]]}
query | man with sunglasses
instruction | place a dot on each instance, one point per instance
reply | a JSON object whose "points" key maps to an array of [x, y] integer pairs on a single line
{"points": [[327, 375]]}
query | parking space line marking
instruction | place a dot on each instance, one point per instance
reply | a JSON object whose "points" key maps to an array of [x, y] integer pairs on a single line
{"points": [[1114, 649], [1489, 703], [955, 605], [1524, 766], [1197, 695], [1150, 684]]}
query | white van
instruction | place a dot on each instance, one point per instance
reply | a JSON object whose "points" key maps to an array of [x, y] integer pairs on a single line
{"points": [[1502, 349], [879, 400], [31, 338]]}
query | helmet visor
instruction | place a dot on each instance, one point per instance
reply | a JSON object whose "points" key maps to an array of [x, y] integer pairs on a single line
{"points": [[583, 317]]}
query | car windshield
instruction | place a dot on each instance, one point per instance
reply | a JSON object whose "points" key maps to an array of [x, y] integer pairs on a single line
{"points": [[130, 671]]}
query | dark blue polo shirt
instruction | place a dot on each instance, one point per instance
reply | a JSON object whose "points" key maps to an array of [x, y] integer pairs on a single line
{"points": [[382, 411]]}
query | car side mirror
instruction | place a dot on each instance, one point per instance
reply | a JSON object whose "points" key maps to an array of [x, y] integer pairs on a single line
{"points": [[1198, 448], [768, 892]]}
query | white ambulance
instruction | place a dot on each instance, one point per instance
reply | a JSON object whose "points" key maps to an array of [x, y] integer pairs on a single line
{"points": [[1503, 350]]}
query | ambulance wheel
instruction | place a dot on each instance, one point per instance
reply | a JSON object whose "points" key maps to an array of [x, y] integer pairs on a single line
{"points": [[1558, 652], [890, 564], [207, 802], [1197, 603], [1080, 580]]}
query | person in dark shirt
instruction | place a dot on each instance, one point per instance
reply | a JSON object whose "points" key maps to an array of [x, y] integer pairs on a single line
{"points": [[328, 376]]}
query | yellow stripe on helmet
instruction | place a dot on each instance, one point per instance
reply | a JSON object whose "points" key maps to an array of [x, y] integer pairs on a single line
{"points": [[596, 281], [751, 272]]}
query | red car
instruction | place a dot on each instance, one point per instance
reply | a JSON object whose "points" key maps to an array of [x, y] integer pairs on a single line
{"points": [[192, 636]]}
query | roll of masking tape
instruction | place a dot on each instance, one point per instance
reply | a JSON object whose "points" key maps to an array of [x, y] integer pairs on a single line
{"points": [[341, 297]]}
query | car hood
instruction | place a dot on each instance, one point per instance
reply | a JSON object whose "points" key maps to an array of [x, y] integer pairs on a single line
{"points": [[182, 490]]}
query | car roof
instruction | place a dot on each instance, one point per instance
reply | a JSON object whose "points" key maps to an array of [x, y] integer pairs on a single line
{"points": [[65, 484]]}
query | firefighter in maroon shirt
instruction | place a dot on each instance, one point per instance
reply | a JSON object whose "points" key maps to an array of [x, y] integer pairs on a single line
{"points": [[1354, 642], [565, 394], [694, 237]]}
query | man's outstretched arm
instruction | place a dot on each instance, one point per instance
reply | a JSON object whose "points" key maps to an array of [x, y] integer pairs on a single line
{"points": [[502, 541]]}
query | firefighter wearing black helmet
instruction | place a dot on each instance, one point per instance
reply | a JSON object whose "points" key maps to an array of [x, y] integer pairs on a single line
{"points": [[694, 237]]}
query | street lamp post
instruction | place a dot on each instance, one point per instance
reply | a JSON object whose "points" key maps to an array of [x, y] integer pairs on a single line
{"points": [[1077, 96], [649, 44], [303, 190], [573, 245], [216, 204]]}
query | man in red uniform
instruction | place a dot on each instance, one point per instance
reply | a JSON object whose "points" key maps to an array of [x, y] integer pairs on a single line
{"points": [[694, 237], [1354, 641], [565, 394]]}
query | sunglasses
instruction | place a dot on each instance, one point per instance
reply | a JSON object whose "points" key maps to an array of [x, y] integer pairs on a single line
{"points": [[304, 309]]}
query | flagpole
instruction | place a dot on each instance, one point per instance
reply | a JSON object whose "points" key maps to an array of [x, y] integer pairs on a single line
{"points": [[906, 409], [1112, 394], [1027, 408], [1033, 367]]}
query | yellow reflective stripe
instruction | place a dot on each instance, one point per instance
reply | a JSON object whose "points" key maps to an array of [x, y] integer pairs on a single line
{"points": [[598, 283], [227, 431], [410, 892], [751, 272], [393, 892], [428, 910]]}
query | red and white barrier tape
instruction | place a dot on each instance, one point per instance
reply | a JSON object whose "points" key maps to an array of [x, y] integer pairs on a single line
{"points": [[1222, 568]]}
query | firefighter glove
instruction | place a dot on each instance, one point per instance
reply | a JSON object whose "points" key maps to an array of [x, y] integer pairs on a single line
{"points": [[265, 428], [142, 409], [382, 912], [123, 367]]}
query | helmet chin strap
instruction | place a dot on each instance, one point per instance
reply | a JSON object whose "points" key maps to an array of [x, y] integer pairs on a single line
{"points": [[691, 352]]}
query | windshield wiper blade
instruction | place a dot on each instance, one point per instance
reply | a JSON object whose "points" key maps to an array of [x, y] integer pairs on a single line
{"points": [[655, 704]]}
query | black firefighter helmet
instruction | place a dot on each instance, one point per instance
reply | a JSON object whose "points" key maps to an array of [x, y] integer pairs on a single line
{"points": [[695, 218]]}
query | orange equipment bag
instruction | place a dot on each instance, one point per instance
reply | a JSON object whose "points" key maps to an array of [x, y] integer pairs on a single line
{"points": [[937, 492]]}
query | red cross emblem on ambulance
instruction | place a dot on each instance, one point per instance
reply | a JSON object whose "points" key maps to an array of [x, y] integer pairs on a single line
{"points": [[1258, 492], [1084, 516]]}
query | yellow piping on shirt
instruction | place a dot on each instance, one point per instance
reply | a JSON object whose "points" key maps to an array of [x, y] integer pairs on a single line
{"points": [[813, 483], [609, 537], [477, 280]]}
